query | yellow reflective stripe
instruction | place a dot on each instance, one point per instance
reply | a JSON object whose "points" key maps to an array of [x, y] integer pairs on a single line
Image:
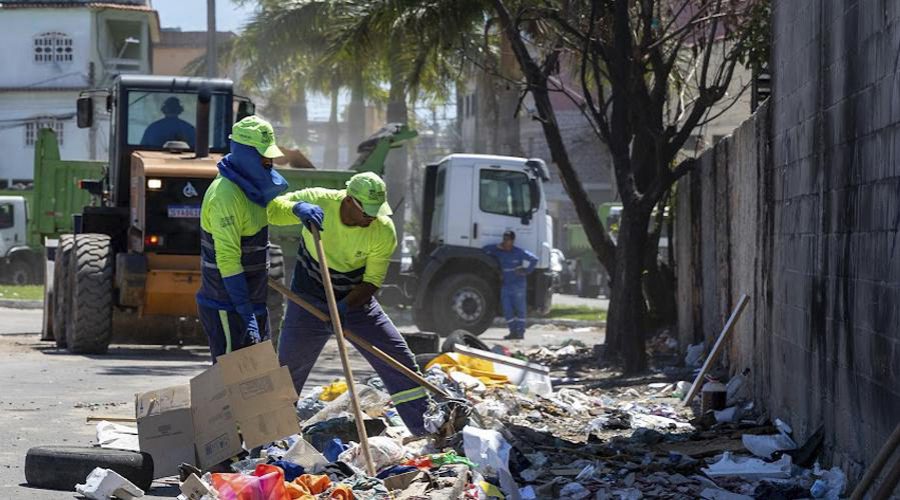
{"points": [[223, 317], [409, 395]]}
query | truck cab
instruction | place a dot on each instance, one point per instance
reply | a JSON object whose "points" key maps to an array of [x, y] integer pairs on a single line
{"points": [[20, 264], [469, 201]]}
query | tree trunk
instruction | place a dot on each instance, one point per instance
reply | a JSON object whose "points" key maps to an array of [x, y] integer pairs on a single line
{"points": [[624, 325], [333, 141], [508, 100], [300, 118], [356, 116]]}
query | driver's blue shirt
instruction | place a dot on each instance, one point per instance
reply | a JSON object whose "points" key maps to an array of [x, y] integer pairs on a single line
{"points": [[170, 128], [511, 263]]}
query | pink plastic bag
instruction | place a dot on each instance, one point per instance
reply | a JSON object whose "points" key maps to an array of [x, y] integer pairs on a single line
{"points": [[266, 483]]}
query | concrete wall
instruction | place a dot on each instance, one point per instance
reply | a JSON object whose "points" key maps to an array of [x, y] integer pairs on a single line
{"points": [[800, 208]]}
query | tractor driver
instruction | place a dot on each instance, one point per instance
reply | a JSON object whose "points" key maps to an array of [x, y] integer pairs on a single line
{"points": [[234, 240], [169, 128]]}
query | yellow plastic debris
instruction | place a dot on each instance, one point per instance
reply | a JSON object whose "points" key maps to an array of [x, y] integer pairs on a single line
{"points": [[481, 369], [333, 390]]}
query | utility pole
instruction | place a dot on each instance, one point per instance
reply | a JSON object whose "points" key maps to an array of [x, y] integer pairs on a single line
{"points": [[212, 53]]}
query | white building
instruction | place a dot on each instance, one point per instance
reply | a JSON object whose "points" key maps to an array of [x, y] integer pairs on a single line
{"points": [[52, 50]]}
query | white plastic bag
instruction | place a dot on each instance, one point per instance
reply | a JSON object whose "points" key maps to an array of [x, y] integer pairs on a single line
{"points": [[384, 450], [490, 451]]}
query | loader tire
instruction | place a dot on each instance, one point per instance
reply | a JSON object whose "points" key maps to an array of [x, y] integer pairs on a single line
{"points": [[464, 302], [91, 275], [274, 299], [62, 293], [62, 467]]}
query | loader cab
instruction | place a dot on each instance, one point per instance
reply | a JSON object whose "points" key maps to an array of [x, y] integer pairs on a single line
{"points": [[163, 114]]}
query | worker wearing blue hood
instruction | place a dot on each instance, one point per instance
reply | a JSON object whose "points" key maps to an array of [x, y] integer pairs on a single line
{"points": [[234, 251]]}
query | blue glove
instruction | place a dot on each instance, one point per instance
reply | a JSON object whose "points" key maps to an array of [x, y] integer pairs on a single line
{"points": [[236, 286], [309, 214]]}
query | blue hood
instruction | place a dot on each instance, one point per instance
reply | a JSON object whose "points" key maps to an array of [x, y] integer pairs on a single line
{"points": [[243, 167]]}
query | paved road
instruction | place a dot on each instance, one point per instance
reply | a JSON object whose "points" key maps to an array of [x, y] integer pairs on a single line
{"points": [[47, 393]]}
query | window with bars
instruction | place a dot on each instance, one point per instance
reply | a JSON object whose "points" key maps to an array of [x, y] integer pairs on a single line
{"points": [[53, 47], [32, 128]]}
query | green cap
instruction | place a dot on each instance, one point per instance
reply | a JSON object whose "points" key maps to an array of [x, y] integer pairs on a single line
{"points": [[256, 132], [371, 192]]}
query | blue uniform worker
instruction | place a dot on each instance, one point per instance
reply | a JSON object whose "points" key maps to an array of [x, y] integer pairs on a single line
{"points": [[170, 128], [359, 238], [515, 264], [234, 244]]}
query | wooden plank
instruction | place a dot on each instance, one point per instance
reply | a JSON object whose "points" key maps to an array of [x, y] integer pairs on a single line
{"points": [[717, 348]]}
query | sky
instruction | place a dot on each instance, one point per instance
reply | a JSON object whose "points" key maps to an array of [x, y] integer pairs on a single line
{"points": [[190, 15]]}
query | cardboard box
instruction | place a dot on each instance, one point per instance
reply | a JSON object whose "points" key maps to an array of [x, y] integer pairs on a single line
{"points": [[245, 392], [166, 428]]}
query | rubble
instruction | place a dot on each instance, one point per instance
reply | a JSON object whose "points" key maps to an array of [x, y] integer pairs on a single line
{"points": [[103, 484], [525, 425]]}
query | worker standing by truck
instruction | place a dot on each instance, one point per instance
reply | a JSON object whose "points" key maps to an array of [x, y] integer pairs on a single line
{"points": [[515, 265], [359, 238], [234, 239]]}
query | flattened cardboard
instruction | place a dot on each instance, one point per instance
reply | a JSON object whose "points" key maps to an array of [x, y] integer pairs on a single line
{"points": [[166, 428], [247, 390]]}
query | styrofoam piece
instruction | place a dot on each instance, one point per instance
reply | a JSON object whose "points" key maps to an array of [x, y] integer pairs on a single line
{"points": [[103, 484], [749, 468]]}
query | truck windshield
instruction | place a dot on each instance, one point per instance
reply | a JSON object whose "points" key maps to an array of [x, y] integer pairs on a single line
{"points": [[505, 193], [155, 118]]}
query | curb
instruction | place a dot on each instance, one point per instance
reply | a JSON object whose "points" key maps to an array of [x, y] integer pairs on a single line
{"points": [[22, 304], [574, 323]]}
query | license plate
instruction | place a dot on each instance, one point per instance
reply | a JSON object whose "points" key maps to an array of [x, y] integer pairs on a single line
{"points": [[184, 212]]}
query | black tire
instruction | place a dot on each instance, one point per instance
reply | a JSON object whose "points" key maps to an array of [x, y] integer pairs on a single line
{"points": [[62, 467], [91, 278], [464, 302], [274, 299], [465, 338], [424, 359], [62, 293], [19, 272]]}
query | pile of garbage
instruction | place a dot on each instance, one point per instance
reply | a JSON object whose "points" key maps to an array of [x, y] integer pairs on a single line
{"points": [[511, 430]]}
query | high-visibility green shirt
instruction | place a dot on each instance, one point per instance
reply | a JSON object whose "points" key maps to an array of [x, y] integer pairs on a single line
{"points": [[347, 248], [229, 215]]}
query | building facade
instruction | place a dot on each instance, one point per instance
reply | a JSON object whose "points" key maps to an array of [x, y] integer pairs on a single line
{"points": [[55, 50]]}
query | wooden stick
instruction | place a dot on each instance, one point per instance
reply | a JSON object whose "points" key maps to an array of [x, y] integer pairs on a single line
{"points": [[112, 419], [886, 490], [875, 468], [410, 374], [342, 349], [717, 348]]}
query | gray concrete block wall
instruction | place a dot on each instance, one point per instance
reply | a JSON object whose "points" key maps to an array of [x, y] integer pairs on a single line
{"points": [[804, 210]]}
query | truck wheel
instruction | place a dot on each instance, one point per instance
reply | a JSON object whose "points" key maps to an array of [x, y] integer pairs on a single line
{"points": [[62, 293], [90, 326], [19, 272], [62, 467], [274, 300], [464, 302]]}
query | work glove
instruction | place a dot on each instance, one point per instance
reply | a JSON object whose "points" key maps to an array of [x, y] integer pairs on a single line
{"points": [[236, 286], [309, 214]]}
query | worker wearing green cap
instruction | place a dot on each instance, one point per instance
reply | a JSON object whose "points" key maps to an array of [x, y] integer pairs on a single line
{"points": [[234, 244], [359, 239]]}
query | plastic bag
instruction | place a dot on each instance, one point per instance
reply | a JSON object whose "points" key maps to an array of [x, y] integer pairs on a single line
{"points": [[371, 401], [331, 391], [490, 451], [385, 452], [266, 483]]}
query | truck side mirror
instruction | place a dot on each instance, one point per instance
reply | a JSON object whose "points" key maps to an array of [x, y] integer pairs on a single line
{"points": [[85, 112]]}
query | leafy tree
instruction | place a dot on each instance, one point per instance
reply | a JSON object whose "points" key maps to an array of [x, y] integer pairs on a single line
{"points": [[649, 73]]}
